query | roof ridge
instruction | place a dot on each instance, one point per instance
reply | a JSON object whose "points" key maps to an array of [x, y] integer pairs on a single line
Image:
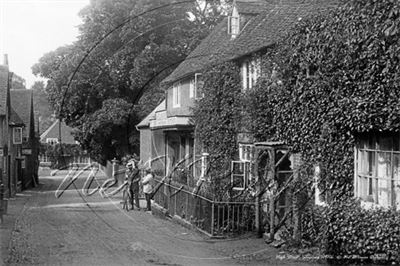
{"points": [[49, 129]]}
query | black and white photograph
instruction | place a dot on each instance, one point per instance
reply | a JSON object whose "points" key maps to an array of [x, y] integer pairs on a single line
{"points": [[199, 132]]}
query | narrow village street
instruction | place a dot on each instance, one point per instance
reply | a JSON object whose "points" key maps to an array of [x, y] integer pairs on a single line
{"points": [[77, 230]]}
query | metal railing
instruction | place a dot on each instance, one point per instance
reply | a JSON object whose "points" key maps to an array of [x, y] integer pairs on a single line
{"points": [[211, 217]]}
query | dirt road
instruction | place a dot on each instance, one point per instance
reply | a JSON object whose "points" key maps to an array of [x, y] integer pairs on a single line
{"points": [[91, 230]]}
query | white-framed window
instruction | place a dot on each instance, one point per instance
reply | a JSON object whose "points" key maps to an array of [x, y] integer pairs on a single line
{"points": [[176, 95], [191, 88], [198, 86], [17, 135], [240, 175], [44, 158], [377, 170], [52, 141], [246, 152], [250, 73], [234, 24]]}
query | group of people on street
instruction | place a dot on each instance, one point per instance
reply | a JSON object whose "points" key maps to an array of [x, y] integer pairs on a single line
{"points": [[133, 176]]}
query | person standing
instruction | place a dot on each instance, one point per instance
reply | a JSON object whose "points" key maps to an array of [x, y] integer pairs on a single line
{"points": [[133, 177], [148, 187]]}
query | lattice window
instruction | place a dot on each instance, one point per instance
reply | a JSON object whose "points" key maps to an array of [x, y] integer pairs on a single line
{"points": [[377, 170]]}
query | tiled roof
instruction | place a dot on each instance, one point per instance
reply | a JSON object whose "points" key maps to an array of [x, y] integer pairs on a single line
{"points": [[209, 51], [146, 121], [3, 89], [252, 6], [53, 132], [21, 102], [15, 119], [261, 30]]}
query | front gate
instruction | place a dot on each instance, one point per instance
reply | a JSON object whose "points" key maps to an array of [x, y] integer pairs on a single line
{"points": [[274, 172]]}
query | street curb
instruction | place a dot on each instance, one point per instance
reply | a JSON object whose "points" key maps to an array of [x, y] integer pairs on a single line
{"points": [[159, 211], [16, 207]]}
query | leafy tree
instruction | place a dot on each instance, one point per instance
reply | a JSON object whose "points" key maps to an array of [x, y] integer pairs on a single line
{"points": [[41, 106], [129, 56]]}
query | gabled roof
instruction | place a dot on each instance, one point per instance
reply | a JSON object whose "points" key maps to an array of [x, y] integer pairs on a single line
{"points": [[15, 119], [53, 132], [4, 76], [263, 27], [21, 102]]}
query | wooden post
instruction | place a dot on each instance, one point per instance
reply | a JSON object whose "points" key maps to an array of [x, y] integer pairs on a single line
{"points": [[258, 210], [296, 212], [212, 217], [272, 199]]}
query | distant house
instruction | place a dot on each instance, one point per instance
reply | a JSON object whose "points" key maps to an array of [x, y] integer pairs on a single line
{"points": [[22, 103], [60, 133]]}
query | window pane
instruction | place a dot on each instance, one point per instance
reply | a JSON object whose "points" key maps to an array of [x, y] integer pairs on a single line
{"points": [[384, 176], [396, 193], [396, 142], [191, 88], [384, 165], [385, 142], [366, 163], [396, 181], [371, 163], [238, 175]]}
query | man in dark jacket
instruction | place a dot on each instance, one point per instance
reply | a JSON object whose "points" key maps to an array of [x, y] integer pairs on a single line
{"points": [[133, 176]]}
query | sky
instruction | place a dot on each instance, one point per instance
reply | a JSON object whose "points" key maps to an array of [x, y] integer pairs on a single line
{"points": [[31, 28]]}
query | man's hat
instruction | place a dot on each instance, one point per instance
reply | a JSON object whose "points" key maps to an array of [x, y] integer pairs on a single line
{"points": [[130, 163]]}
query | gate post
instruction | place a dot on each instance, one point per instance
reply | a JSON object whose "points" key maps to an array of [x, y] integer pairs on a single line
{"points": [[212, 217], [258, 216], [272, 200], [257, 206]]}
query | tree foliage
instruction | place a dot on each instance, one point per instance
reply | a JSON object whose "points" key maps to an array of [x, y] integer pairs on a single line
{"points": [[41, 107], [129, 56]]}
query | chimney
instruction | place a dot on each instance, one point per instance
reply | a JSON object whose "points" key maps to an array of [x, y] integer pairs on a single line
{"points": [[5, 61]]}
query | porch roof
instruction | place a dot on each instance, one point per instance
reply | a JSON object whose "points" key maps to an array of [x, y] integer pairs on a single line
{"points": [[146, 121], [175, 122], [269, 144]]}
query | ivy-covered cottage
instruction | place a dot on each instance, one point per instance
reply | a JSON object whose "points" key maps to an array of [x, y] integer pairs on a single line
{"points": [[22, 103], [168, 134]]}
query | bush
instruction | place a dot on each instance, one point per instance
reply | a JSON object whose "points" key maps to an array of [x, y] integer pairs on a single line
{"points": [[353, 233]]}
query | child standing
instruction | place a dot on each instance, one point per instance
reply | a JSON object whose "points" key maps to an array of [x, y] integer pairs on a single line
{"points": [[147, 187]]}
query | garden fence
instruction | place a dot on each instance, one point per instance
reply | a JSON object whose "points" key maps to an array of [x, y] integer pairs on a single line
{"points": [[214, 218]]}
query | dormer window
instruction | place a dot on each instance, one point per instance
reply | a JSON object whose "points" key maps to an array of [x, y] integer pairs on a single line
{"points": [[234, 23], [233, 26]]}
